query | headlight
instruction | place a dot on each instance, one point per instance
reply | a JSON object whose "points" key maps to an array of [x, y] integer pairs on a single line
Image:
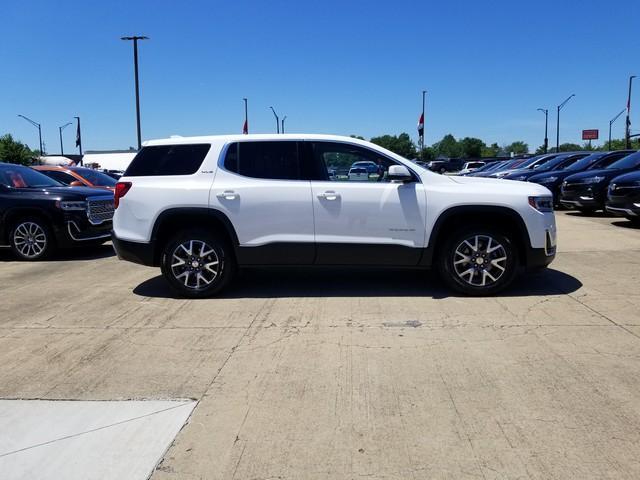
{"points": [[66, 205], [542, 204], [548, 180], [593, 180], [520, 178]]}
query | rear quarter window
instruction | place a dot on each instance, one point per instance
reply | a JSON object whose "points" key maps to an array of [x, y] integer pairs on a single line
{"points": [[159, 160]]}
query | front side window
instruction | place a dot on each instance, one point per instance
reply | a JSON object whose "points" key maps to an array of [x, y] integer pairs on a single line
{"points": [[351, 163], [276, 160], [630, 161], [159, 160]]}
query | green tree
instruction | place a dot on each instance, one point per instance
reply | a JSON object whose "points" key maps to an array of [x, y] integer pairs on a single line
{"points": [[471, 147], [427, 154], [357, 136], [517, 148], [491, 151], [448, 147], [401, 144], [567, 147], [13, 151]]}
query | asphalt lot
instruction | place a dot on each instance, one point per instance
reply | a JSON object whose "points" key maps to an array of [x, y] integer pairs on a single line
{"points": [[314, 374]]}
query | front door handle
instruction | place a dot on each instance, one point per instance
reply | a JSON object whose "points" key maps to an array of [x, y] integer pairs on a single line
{"points": [[329, 195], [227, 195]]}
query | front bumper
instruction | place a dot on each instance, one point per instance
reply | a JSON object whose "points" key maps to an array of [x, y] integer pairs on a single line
{"points": [[582, 195], [136, 252], [76, 229], [624, 206]]}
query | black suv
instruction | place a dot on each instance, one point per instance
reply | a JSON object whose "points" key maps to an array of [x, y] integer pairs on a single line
{"points": [[623, 196], [38, 213], [587, 191]]}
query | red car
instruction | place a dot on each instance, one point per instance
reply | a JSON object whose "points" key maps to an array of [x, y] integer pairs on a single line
{"points": [[78, 176]]}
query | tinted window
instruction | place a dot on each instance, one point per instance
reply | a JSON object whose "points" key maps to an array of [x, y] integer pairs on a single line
{"points": [[96, 178], [605, 162], [16, 176], [630, 161], [279, 160], [340, 157], [586, 161], [168, 160], [62, 177]]}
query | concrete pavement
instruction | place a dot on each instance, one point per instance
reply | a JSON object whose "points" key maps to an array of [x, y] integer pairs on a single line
{"points": [[377, 374]]}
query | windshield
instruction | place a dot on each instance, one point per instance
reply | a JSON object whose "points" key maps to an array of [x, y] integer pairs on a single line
{"points": [[96, 178], [552, 164], [630, 161], [586, 161], [17, 176]]}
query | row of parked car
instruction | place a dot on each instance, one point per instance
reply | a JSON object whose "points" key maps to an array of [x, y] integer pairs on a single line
{"points": [[586, 181], [43, 208]]}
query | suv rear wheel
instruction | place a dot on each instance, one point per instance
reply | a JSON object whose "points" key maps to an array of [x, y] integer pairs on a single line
{"points": [[197, 264], [31, 239], [478, 261]]}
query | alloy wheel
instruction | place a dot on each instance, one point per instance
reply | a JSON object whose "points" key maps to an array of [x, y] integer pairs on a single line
{"points": [[195, 264], [480, 260], [30, 239]]}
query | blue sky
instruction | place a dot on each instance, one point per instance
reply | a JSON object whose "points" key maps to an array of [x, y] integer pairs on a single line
{"points": [[345, 67]]}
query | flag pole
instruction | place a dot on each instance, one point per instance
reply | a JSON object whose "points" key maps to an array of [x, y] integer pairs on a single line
{"points": [[424, 92], [79, 139], [245, 128]]}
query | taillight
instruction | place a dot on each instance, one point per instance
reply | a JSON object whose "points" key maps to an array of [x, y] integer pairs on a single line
{"points": [[121, 190]]}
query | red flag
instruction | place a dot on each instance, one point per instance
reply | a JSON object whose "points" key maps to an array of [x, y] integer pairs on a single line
{"points": [[245, 127], [421, 125]]}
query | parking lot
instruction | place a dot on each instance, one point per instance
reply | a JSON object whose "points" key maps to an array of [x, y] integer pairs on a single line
{"points": [[329, 374]]}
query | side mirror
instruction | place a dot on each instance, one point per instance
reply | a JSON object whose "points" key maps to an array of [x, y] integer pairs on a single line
{"points": [[76, 183], [399, 173]]}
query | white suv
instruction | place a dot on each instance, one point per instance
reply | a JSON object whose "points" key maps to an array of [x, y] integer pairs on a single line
{"points": [[201, 207]]}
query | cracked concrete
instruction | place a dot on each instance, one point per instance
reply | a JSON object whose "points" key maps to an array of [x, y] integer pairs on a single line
{"points": [[376, 374]]}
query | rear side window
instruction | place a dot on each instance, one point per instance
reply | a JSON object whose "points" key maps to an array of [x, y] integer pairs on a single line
{"points": [[62, 177], [273, 160], [168, 160]]}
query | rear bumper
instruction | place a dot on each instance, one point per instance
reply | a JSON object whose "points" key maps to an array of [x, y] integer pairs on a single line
{"points": [[136, 252]]}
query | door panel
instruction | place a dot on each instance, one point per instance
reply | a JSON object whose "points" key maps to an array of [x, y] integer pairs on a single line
{"points": [[267, 213], [369, 213]]}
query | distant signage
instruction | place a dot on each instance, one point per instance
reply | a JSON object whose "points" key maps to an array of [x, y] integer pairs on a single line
{"points": [[590, 134]]}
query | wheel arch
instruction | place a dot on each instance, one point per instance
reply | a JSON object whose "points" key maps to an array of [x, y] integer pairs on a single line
{"points": [[172, 219], [12, 215], [505, 218]]}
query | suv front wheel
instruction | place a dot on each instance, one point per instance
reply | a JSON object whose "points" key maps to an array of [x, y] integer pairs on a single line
{"points": [[478, 261], [197, 264]]}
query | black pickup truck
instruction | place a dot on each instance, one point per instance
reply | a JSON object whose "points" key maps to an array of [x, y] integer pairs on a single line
{"points": [[39, 214]]}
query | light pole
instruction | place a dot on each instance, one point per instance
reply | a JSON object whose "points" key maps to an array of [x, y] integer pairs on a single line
{"points": [[35, 124], [546, 127], [283, 119], [277, 120], [60, 130], [611, 123], [627, 132], [135, 66], [558, 121]]}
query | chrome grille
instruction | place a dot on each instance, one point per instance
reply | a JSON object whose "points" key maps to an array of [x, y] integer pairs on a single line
{"points": [[99, 210]]}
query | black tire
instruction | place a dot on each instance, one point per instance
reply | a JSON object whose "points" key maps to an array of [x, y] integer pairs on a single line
{"points": [[181, 276], [454, 274], [586, 210], [443, 171], [31, 239]]}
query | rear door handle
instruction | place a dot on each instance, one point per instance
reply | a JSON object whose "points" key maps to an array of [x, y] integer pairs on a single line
{"points": [[227, 195], [329, 195]]}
